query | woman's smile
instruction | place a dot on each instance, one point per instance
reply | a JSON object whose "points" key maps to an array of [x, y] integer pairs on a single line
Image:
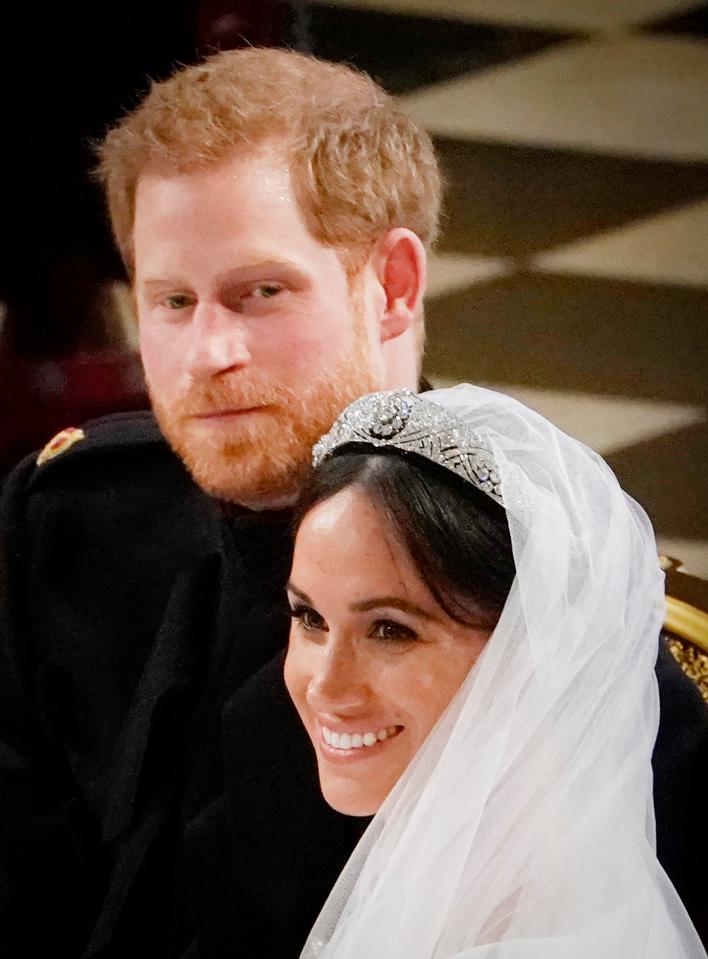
{"points": [[355, 746]]}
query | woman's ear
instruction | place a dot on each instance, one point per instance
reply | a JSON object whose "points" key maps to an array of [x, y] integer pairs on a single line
{"points": [[401, 265]]}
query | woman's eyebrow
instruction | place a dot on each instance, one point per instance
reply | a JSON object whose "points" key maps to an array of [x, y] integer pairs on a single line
{"points": [[292, 588], [392, 602], [375, 602]]}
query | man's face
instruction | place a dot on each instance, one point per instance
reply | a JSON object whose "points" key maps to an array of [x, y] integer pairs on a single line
{"points": [[252, 337]]}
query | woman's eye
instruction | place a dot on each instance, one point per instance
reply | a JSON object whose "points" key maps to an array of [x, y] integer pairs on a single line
{"points": [[389, 631], [308, 618]]}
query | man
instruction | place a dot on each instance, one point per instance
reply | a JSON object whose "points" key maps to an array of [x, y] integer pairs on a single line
{"points": [[273, 212]]}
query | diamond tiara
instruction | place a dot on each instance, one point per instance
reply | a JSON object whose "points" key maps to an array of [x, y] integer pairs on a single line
{"points": [[400, 419]]}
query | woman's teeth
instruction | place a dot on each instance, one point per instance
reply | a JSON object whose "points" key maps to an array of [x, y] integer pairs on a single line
{"points": [[356, 740]]}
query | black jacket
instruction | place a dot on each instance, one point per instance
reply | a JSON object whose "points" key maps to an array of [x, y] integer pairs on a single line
{"points": [[157, 794], [131, 607]]}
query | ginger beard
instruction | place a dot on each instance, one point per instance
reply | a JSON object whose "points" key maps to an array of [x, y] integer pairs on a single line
{"points": [[262, 458]]}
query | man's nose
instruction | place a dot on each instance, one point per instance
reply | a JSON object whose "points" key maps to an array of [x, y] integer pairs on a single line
{"points": [[339, 682], [218, 343]]}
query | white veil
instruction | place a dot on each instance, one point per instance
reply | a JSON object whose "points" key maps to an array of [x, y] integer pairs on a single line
{"points": [[524, 827]]}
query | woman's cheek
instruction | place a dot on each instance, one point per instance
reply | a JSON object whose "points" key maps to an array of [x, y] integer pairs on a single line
{"points": [[294, 674]]}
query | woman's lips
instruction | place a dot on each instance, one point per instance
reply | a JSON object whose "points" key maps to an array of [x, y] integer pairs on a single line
{"points": [[358, 744]]}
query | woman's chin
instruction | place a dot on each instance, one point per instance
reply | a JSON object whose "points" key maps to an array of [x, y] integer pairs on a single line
{"points": [[355, 781], [348, 799]]}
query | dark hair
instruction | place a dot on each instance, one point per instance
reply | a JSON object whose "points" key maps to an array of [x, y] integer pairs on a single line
{"points": [[456, 535]]}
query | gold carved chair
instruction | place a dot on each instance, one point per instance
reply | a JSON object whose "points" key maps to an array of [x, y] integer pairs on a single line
{"points": [[686, 622]]}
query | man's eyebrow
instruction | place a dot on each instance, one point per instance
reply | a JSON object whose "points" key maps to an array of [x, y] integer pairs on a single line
{"points": [[159, 281], [237, 273]]}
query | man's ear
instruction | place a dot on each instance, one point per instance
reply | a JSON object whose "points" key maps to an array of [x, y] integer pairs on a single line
{"points": [[401, 265]]}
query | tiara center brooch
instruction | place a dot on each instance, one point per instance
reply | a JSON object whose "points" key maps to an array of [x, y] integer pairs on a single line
{"points": [[389, 417]]}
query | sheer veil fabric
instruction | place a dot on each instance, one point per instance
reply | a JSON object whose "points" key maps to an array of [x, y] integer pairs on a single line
{"points": [[524, 827]]}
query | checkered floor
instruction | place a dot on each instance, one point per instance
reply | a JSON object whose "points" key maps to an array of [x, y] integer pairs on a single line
{"points": [[573, 269]]}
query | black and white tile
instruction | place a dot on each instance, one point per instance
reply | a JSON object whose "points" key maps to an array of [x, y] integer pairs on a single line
{"points": [[573, 267]]}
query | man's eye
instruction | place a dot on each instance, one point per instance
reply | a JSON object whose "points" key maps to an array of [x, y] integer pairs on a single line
{"points": [[389, 631], [308, 618], [177, 301], [265, 291]]}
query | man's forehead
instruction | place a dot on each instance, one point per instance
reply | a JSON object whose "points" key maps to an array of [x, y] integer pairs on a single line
{"points": [[268, 161], [245, 195]]}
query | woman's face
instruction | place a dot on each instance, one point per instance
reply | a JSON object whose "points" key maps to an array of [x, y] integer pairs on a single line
{"points": [[373, 660]]}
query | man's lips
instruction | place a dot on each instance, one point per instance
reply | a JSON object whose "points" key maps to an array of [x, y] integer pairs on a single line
{"points": [[227, 413]]}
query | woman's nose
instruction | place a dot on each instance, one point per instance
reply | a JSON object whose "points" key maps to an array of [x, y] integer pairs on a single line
{"points": [[339, 682]]}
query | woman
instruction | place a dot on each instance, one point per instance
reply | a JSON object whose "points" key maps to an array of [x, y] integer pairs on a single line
{"points": [[476, 605]]}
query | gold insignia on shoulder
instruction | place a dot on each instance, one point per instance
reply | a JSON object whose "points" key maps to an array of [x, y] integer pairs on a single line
{"points": [[61, 442]]}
